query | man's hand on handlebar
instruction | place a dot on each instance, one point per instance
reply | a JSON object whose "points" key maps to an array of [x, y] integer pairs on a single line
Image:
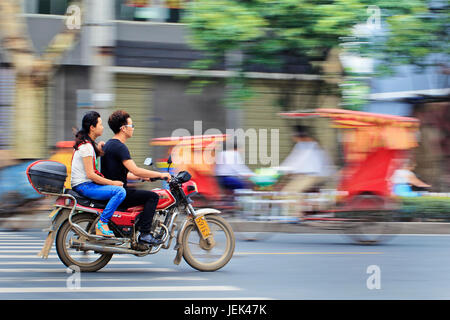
{"points": [[163, 176], [166, 176]]}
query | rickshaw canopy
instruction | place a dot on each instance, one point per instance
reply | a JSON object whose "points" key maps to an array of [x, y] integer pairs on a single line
{"points": [[367, 131], [198, 141]]}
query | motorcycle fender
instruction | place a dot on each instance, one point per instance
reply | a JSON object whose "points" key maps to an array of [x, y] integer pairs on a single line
{"points": [[57, 219], [179, 247], [205, 211]]}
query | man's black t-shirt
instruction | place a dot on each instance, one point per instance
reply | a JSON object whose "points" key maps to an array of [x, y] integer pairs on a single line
{"points": [[112, 161]]}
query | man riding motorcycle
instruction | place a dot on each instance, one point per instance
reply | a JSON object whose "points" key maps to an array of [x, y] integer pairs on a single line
{"points": [[117, 164]]}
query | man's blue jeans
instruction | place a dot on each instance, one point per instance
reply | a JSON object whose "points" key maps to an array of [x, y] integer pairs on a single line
{"points": [[114, 194]]}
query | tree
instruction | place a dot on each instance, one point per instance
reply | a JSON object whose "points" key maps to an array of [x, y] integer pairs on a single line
{"points": [[32, 74], [263, 30]]}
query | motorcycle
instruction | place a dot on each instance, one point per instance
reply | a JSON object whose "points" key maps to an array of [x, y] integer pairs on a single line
{"points": [[205, 240]]}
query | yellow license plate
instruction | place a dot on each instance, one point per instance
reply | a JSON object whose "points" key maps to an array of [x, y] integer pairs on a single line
{"points": [[203, 227], [53, 212]]}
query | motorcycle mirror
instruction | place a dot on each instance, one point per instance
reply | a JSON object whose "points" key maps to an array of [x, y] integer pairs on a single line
{"points": [[148, 162], [169, 160]]}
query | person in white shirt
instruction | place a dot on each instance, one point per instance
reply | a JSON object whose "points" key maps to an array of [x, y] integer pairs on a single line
{"points": [[404, 178], [231, 170], [306, 166]]}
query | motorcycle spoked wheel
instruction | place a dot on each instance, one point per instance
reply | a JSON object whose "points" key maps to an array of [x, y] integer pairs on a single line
{"points": [[204, 256], [82, 261]]}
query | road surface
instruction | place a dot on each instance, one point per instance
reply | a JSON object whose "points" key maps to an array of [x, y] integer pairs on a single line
{"points": [[282, 267]]}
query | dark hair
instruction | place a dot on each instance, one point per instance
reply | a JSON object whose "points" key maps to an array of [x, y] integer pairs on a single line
{"points": [[82, 136], [117, 120], [301, 131]]}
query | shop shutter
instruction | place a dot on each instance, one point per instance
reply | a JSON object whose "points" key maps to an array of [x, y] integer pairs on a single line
{"points": [[6, 107], [134, 95]]}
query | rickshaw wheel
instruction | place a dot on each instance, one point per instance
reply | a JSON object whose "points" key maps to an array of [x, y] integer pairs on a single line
{"points": [[370, 219]]}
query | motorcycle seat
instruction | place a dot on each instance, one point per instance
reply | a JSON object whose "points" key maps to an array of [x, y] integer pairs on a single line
{"points": [[86, 202]]}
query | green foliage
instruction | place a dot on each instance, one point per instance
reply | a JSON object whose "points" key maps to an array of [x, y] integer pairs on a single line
{"points": [[426, 207], [264, 29]]}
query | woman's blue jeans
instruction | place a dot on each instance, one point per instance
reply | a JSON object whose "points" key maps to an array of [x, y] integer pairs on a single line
{"points": [[114, 194]]}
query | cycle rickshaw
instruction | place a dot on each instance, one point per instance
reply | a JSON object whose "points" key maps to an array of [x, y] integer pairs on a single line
{"points": [[362, 206]]}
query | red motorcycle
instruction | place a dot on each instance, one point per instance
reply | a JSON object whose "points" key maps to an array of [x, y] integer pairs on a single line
{"points": [[205, 240]]}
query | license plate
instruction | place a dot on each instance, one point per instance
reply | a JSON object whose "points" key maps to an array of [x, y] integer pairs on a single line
{"points": [[203, 227], [53, 212]]}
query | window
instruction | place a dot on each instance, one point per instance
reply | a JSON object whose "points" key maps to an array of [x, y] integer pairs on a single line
{"points": [[150, 10], [57, 7]]}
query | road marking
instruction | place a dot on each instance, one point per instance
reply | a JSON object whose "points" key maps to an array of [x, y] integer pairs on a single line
{"points": [[52, 256], [46, 263], [84, 279], [17, 251], [190, 298], [18, 236], [279, 253], [63, 270], [119, 289], [20, 247], [22, 241]]}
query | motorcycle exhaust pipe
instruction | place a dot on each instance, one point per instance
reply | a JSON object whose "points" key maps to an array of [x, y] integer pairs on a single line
{"points": [[102, 249]]}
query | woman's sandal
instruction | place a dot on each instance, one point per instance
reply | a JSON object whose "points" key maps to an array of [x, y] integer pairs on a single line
{"points": [[101, 229]]}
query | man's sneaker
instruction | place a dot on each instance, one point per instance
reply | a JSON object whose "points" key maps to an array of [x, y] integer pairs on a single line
{"points": [[101, 229], [148, 238]]}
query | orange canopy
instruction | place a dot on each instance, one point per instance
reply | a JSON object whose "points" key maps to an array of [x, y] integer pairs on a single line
{"points": [[359, 117], [200, 141], [367, 131]]}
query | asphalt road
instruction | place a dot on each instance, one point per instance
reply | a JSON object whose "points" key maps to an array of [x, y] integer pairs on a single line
{"points": [[284, 267]]}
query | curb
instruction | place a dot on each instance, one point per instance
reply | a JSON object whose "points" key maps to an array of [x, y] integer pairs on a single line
{"points": [[332, 227], [40, 221]]}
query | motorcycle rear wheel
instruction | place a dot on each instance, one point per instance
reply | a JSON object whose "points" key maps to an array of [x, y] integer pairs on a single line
{"points": [[71, 257], [203, 256]]}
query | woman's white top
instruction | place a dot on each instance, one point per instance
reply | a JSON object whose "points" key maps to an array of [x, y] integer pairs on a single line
{"points": [[401, 176], [78, 171]]}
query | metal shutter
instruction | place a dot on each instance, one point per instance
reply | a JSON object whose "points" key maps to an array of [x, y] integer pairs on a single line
{"points": [[134, 95]]}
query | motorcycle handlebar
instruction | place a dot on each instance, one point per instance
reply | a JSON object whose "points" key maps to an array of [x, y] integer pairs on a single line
{"points": [[156, 179]]}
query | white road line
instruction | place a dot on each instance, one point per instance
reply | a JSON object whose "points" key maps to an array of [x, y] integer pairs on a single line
{"points": [[190, 298], [83, 279], [22, 241], [16, 251], [46, 263], [51, 256], [16, 238], [63, 270], [20, 247], [119, 289]]}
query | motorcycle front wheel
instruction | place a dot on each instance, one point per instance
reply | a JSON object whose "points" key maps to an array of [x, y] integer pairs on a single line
{"points": [[212, 254]]}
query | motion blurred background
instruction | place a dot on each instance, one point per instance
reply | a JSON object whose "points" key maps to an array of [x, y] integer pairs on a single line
{"points": [[227, 63]]}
